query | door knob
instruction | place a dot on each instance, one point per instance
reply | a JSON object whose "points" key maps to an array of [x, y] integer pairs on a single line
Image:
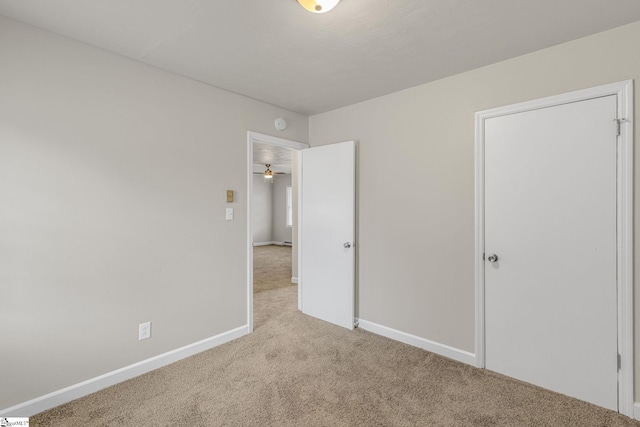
{"points": [[347, 245], [493, 258]]}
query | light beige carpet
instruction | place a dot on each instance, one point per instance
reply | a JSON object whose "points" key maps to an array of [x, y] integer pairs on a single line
{"points": [[298, 371], [271, 267]]}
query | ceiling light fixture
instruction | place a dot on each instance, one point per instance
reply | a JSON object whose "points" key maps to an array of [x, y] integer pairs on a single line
{"points": [[268, 175], [318, 6]]}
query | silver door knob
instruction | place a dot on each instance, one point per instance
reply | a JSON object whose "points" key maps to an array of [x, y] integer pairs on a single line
{"points": [[347, 245], [493, 258]]}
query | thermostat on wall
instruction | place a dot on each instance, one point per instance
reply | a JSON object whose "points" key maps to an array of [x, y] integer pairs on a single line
{"points": [[281, 124]]}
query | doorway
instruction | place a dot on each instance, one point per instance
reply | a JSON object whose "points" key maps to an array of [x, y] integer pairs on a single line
{"points": [[272, 228], [325, 239], [553, 244], [275, 244]]}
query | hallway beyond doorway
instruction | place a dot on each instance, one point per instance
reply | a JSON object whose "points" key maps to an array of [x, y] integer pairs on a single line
{"points": [[271, 267]]}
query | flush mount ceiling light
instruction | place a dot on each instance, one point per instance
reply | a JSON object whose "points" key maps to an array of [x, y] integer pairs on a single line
{"points": [[318, 6]]}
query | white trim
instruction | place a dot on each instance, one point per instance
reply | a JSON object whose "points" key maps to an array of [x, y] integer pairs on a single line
{"points": [[249, 232], [479, 239], [299, 230], [625, 250], [294, 280], [580, 95], [56, 398], [636, 411], [272, 140], [624, 91], [269, 243], [423, 343]]}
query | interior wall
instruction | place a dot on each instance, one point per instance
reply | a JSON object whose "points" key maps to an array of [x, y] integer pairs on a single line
{"points": [[113, 179], [416, 230], [281, 233], [269, 213], [262, 210]]}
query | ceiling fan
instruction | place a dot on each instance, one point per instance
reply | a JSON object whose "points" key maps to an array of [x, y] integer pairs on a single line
{"points": [[268, 174]]}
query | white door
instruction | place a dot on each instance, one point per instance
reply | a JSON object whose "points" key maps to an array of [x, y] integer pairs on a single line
{"points": [[327, 264], [550, 218]]}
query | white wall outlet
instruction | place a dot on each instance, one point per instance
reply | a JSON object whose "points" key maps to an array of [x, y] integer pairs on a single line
{"points": [[144, 331], [229, 214]]}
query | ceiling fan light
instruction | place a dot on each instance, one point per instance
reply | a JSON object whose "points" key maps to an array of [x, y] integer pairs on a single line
{"points": [[318, 6], [268, 175]]}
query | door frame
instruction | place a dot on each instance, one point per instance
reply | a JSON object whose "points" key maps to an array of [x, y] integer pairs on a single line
{"points": [[624, 223], [280, 142]]}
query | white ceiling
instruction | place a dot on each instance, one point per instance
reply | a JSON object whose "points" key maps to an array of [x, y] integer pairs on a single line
{"points": [[277, 52], [278, 157]]}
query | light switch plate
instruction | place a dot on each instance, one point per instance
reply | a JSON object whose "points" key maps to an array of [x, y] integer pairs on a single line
{"points": [[229, 214], [229, 196]]}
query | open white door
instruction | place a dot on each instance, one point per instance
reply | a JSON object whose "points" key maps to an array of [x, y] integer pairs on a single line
{"points": [[327, 226]]}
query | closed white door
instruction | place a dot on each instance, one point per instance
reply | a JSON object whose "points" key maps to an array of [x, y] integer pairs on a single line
{"points": [[327, 264], [550, 219]]}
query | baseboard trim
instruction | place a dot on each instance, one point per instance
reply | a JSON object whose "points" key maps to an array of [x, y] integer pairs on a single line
{"points": [[272, 243], [56, 398], [636, 411], [294, 280], [423, 343]]}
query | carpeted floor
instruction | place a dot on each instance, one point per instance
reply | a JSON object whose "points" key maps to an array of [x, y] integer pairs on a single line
{"points": [[295, 370], [271, 267]]}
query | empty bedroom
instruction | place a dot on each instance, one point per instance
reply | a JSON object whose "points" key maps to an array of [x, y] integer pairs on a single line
{"points": [[319, 212]]}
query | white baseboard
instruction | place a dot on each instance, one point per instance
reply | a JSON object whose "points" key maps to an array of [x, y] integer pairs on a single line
{"points": [[294, 280], [636, 411], [272, 243], [425, 344], [51, 400], [266, 243]]}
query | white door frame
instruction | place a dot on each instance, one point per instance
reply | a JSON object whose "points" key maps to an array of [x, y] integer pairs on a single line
{"points": [[280, 142], [624, 228]]}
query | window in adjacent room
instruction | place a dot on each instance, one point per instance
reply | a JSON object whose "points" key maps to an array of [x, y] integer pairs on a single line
{"points": [[289, 207]]}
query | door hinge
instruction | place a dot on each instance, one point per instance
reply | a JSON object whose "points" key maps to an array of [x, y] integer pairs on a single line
{"points": [[618, 123], [619, 361], [483, 256]]}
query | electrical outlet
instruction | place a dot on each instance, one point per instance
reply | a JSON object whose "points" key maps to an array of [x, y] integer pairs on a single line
{"points": [[144, 331]]}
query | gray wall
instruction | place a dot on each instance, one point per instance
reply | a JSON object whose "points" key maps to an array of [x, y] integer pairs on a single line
{"points": [[416, 229], [269, 210], [112, 180], [281, 233], [262, 210]]}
